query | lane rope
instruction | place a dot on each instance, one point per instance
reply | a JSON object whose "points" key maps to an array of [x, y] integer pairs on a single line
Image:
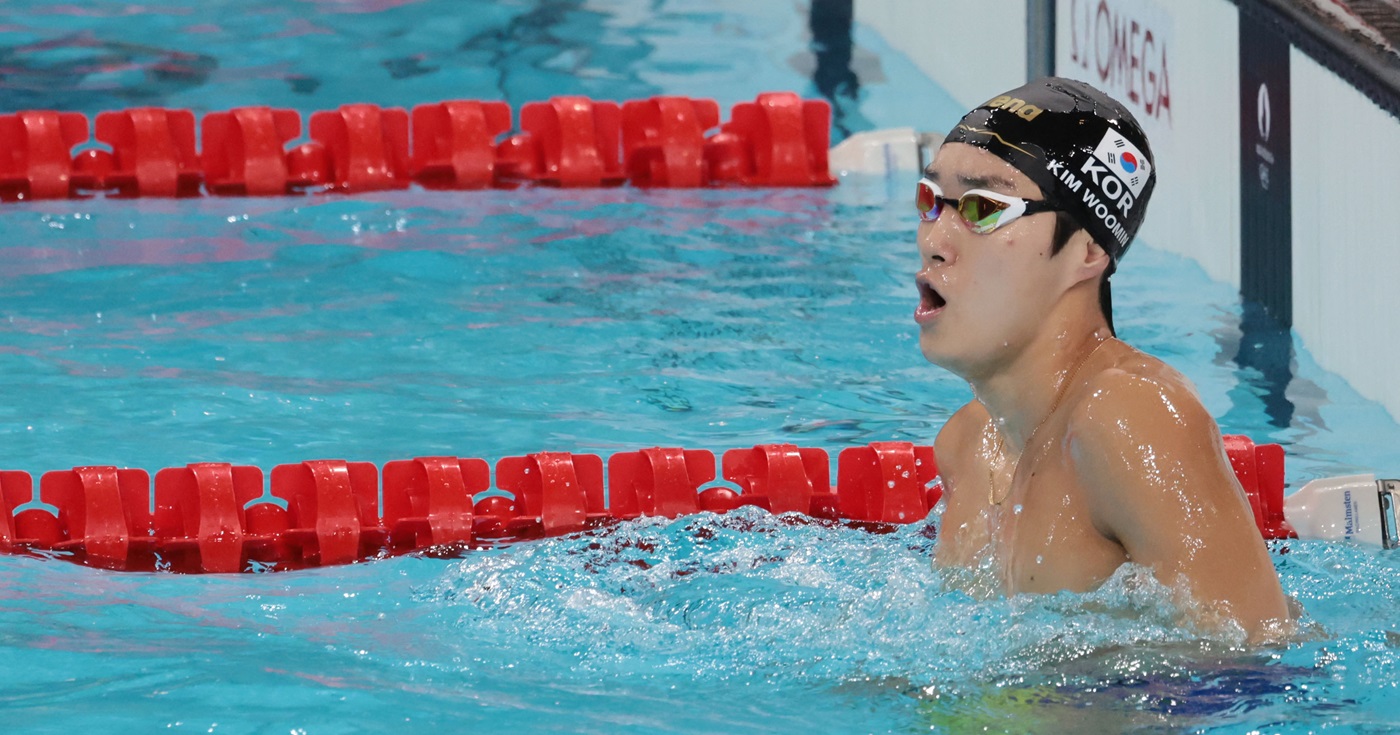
{"points": [[219, 517]]}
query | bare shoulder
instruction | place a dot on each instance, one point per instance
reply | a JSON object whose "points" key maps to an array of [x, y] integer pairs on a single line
{"points": [[960, 433], [1139, 438], [1139, 398]]}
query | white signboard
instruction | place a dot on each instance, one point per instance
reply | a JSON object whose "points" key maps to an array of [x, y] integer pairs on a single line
{"points": [[1175, 65], [1123, 47]]}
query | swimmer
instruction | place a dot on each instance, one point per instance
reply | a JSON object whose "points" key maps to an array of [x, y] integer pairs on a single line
{"points": [[1078, 453]]}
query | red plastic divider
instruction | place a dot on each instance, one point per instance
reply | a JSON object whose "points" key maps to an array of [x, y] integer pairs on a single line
{"points": [[265, 525], [243, 150], [428, 500], [719, 499], [199, 518], [559, 490], [777, 140], [16, 489], [331, 504], [783, 478], [567, 141], [34, 527], [497, 516], [105, 512], [886, 482], [663, 140], [1268, 464], [36, 160], [1259, 469], [454, 143], [1240, 450], [366, 147], [658, 481], [153, 153]]}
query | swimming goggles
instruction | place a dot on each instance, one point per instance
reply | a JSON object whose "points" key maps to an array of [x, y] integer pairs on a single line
{"points": [[982, 210]]}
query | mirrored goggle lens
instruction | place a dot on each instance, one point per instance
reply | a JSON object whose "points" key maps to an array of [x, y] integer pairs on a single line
{"points": [[926, 199], [982, 213]]}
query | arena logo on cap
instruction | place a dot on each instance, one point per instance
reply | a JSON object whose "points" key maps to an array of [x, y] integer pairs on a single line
{"points": [[1011, 104], [1124, 160]]}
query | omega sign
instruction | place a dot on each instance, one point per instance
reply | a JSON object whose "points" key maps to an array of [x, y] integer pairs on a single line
{"points": [[1121, 46]]}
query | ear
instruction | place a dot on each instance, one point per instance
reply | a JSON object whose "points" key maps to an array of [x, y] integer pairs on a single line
{"points": [[1087, 258]]}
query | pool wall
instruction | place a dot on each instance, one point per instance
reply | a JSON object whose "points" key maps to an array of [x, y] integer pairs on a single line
{"points": [[1277, 139]]}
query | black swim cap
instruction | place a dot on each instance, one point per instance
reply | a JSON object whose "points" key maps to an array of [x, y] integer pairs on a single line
{"points": [[1086, 152]]}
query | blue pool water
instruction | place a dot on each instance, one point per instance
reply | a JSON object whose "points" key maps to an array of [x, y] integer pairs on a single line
{"points": [[377, 327]]}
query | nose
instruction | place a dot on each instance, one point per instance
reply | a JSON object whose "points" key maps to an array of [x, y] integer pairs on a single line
{"points": [[935, 241]]}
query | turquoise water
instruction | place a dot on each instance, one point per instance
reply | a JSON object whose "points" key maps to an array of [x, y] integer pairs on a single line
{"points": [[154, 333]]}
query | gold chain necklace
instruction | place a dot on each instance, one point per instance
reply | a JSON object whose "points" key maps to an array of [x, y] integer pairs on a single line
{"points": [[1001, 439]]}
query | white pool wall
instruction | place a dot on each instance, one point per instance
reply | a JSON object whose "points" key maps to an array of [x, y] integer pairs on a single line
{"points": [[1346, 251], [966, 59]]}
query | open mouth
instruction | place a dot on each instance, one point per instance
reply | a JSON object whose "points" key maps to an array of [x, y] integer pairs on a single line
{"points": [[930, 301]]}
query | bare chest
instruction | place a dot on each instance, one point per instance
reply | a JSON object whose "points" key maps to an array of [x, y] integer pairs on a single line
{"points": [[1041, 536]]}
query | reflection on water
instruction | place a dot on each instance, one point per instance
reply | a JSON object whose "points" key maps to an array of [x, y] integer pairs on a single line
{"points": [[1264, 354], [1173, 688], [833, 76], [82, 71], [1261, 353]]}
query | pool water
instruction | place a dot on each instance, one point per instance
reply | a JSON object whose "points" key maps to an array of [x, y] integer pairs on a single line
{"points": [[260, 331]]}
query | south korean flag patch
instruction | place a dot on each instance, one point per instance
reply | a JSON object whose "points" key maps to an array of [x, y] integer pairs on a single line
{"points": [[1124, 160]]}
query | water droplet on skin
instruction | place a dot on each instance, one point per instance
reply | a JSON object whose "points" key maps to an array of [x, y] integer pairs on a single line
{"points": [[1016, 509], [1040, 559]]}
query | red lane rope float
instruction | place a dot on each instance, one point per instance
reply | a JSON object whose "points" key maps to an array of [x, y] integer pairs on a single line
{"points": [[453, 143], [663, 140], [215, 517], [34, 153], [153, 153], [777, 140], [243, 151], [1260, 471]]}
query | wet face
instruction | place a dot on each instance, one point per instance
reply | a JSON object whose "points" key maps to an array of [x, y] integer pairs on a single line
{"points": [[983, 296]]}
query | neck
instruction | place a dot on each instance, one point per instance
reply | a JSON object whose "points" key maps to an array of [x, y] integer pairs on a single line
{"points": [[1023, 385]]}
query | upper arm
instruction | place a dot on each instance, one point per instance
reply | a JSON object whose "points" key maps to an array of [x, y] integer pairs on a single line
{"points": [[1154, 469]]}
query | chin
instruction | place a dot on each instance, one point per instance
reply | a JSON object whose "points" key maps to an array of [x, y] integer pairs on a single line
{"points": [[958, 359], [936, 351]]}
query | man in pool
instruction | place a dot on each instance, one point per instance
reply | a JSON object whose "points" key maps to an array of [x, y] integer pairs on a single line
{"points": [[1078, 453]]}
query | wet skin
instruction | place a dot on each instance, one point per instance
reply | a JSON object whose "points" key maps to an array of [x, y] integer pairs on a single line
{"points": [[1079, 453]]}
